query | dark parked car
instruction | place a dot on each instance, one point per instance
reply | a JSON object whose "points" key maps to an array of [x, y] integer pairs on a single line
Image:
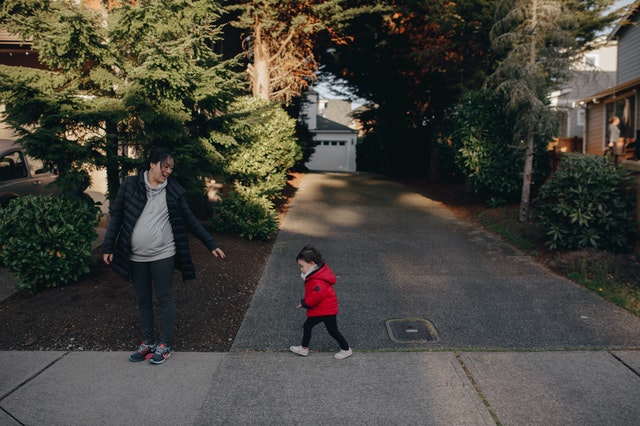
{"points": [[21, 175]]}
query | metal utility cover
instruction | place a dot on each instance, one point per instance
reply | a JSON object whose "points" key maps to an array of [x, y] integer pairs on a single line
{"points": [[411, 330]]}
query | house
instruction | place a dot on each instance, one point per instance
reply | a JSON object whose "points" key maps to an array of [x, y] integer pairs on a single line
{"points": [[334, 133], [620, 100], [13, 51], [594, 72]]}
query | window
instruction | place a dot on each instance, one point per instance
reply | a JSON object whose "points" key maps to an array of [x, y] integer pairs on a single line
{"points": [[625, 110], [36, 166], [12, 166], [592, 60], [580, 118]]}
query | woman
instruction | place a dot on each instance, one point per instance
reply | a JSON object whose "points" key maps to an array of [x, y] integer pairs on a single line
{"points": [[146, 238], [614, 134]]}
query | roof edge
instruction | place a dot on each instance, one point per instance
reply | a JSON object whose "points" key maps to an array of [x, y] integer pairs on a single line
{"points": [[633, 9], [610, 92]]}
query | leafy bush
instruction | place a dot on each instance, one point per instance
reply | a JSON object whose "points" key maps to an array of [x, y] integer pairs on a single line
{"points": [[246, 214], [588, 202], [259, 145], [256, 149], [45, 240], [447, 167], [488, 151]]}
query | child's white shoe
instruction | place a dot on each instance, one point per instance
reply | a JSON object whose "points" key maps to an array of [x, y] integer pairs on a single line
{"points": [[344, 354], [299, 350]]}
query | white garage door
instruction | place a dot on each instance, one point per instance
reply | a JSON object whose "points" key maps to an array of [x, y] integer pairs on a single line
{"points": [[330, 156]]}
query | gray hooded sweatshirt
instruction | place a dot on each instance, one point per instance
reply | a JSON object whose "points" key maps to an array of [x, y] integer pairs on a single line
{"points": [[152, 237]]}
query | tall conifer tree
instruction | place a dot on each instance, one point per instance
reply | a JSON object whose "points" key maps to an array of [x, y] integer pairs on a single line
{"points": [[282, 38], [139, 75], [536, 42]]}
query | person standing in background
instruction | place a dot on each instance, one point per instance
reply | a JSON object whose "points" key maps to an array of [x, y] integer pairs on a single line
{"points": [[614, 134]]}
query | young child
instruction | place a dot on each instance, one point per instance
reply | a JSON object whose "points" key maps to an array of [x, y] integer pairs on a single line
{"points": [[320, 301]]}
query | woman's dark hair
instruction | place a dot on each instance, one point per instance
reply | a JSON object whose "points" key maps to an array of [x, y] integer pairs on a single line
{"points": [[310, 254], [158, 154]]}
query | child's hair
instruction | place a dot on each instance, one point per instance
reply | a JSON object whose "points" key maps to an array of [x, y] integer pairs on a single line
{"points": [[310, 254], [158, 154]]}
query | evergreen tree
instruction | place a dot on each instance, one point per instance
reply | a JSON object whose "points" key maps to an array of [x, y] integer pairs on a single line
{"points": [[117, 82], [412, 60], [537, 41], [282, 38]]}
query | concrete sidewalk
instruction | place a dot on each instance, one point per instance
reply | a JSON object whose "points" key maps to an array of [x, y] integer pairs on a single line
{"points": [[449, 324]]}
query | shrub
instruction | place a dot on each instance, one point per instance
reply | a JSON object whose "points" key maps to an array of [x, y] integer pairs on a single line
{"points": [[588, 202], [487, 149], [245, 214], [256, 149], [259, 145], [45, 240]]}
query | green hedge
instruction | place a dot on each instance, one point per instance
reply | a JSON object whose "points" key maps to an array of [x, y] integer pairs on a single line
{"points": [[257, 146], [487, 149], [45, 240], [246, 214], [588, 202]]}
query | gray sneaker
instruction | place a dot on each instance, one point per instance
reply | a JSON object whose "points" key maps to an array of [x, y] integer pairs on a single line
{"points": [[144, 352], [161, 353]]}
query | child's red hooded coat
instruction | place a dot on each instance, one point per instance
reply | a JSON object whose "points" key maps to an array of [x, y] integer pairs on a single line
{"points": [[320, 298]]}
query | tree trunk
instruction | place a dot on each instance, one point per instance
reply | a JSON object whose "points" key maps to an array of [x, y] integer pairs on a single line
{"points": [[528, 159], [261, 72], [526, 179], [111, 153]]}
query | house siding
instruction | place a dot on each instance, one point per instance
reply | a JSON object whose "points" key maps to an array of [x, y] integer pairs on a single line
{"points": [[608, 58], [592, 72], [583, 84], [622, 98], [595, 130], [629, 52]]}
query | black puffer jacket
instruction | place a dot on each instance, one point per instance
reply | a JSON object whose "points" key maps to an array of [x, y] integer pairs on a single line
{"points": [[125, 211]]}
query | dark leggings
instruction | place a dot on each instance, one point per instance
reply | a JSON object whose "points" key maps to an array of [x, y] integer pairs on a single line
{"points": [[331, 322], [159, 275]]}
